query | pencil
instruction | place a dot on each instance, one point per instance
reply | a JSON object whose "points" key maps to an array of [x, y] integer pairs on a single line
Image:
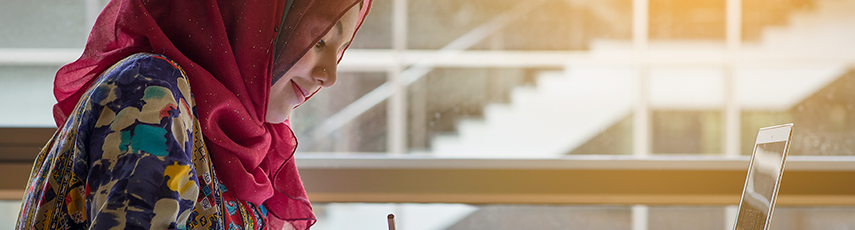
{"points": [[391, 219]]}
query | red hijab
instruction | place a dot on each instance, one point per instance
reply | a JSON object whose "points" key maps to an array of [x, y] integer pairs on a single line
{"points": [[227, 50]]}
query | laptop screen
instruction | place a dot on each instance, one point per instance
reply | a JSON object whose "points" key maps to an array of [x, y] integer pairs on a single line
{"points": [[759, 193]]}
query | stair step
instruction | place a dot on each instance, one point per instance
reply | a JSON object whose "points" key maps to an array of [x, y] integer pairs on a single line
{"points": [[567, 108]]}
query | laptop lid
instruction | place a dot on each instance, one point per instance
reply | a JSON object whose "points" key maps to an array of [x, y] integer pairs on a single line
{"points": [[764, 178]]}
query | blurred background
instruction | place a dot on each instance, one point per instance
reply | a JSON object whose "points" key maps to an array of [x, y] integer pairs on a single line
{"points": [[538, 79]]}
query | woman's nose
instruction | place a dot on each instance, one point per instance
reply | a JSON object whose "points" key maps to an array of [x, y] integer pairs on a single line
{"points": [[325, 70]]}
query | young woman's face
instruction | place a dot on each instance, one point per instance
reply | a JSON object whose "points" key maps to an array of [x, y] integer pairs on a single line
{"points": [[316, 69]]}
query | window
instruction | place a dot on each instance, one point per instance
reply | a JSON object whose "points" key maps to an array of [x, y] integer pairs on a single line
{"points": [[642, 112]]}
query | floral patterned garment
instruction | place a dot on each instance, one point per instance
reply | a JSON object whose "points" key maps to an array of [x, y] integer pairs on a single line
{"points": [[131, 156]]}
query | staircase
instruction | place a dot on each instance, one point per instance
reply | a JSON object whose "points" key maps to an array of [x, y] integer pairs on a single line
{"points": [[560, 113], [567, 108]]}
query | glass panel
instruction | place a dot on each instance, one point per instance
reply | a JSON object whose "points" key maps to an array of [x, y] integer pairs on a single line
{"points": [[409, 216], [367, 133], [677, 19], [547, 217], [820, 104], [687, 106], [686, 102], [43, 24], [798, 218], [27, 93], [687, 132], [557, 25], [376, 31], [459, 216], [686, 217], [616, 140], [9, 213], [373, 216], [760, 14], [447, 96]]}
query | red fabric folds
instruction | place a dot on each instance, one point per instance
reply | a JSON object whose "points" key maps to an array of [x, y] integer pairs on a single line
{"points": [[227, 50]]}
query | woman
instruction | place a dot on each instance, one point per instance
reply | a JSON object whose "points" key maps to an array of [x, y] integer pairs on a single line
{"points": [[175, 116]]}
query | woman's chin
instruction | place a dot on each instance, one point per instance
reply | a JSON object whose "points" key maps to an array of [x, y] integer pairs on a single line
{"points": [[278, 117], [276, 121]]}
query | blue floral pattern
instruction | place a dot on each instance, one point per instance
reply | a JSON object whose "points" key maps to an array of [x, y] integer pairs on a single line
{"points": [[131, 156]]}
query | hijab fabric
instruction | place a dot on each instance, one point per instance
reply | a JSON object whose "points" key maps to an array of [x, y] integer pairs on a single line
{"points": [[227, 50]]}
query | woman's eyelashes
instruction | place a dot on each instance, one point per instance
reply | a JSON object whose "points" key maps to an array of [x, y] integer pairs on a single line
{"points": [[341, 49], [321, 44]]}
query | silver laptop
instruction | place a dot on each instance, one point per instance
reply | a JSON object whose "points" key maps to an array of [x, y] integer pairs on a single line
{"points": [[764, 178]]}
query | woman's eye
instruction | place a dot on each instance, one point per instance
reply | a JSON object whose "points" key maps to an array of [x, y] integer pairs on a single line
{"points": [[321, 44]]}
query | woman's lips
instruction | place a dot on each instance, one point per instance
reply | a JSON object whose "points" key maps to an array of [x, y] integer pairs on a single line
{"points": [[299, 91]]}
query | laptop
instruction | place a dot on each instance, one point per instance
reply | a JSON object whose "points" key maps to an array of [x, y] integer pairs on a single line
{"points": [[764, 178]]}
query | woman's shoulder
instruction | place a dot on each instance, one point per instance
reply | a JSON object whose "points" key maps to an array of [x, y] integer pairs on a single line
{"points": [[146, 59], [141, 74], [141, 82], [146, 67]]}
